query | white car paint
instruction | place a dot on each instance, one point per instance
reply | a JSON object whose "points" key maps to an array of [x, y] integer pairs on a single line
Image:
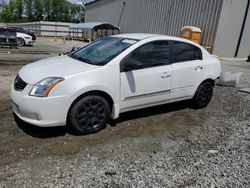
{"points": [[27, 38], [128, 90]]}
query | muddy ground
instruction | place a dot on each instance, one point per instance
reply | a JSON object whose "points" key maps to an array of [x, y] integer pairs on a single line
{"points": [[165, 146]]}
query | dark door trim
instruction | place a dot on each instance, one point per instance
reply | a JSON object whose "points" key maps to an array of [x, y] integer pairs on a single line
{"points": [[242, 29]]}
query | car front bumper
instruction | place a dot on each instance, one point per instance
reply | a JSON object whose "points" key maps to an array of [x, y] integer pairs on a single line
{"points": [[28, 41], [38, 111]]}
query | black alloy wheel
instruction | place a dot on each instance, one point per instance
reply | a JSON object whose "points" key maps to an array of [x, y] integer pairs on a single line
{"points": [[203, 95], [89, 114]]}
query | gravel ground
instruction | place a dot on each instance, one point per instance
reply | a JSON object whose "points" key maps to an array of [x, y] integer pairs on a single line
{"points": [[165, 146]]}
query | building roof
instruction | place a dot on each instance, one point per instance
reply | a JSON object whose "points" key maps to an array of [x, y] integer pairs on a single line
{"points": [[94, 25]]}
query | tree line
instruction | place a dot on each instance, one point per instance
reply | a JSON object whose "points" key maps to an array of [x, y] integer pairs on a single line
{"points": [[40, 10]]}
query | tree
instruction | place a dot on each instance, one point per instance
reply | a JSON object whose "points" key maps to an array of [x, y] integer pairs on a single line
{"points": [[66, 11], [56, 9], [77, 13], [38, 10], [19, 8], [2, 3], [6, 13], [11, 9], [28, 4], [47, 4]]}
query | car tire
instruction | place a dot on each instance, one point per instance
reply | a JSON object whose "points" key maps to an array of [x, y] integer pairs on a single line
{"points": [[203, 95], [20, 42], [89, 114]]}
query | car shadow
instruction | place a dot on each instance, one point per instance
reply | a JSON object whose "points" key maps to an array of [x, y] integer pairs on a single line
{"points": [[40, 132], [151, 111], [49, 132]]}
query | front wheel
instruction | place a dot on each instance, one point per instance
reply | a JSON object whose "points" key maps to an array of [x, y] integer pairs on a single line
{"points": [[203, 95], [20, 42], [89, 114]]}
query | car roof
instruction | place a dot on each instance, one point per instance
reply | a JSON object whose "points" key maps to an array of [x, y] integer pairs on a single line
{"points": [[138, 36], [142, 36]]}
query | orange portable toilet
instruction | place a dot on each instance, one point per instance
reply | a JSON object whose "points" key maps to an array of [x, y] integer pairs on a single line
{"points": [[191, 33]]}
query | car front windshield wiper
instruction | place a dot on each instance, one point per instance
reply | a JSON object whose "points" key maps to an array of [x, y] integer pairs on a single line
{"points": [[72, 55], [85, 60], [80, 58]]}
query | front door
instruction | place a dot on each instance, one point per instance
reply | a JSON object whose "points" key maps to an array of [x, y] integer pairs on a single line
{"points": [[146, 76]]}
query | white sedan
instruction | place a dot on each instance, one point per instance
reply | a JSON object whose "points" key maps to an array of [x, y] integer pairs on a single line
{"points": [[113, 75], [24, 39]]}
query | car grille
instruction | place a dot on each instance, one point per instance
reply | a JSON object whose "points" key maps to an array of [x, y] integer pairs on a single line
{"points": [[19, 84]]}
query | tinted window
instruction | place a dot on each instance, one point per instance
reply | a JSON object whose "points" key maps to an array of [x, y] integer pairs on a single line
{"points": [[185, 52], [152, 54]]}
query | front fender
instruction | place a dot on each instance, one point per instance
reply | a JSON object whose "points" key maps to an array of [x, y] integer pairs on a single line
{"points": [[79, 93]]}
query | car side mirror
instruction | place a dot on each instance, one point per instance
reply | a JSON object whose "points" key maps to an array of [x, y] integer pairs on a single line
{"points": [[132, 64]]}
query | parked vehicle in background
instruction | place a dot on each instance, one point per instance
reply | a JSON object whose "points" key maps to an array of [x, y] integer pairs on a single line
{"points": [[22, 30], [113, 75], [24, 39], [7, 38], [68, 37]]}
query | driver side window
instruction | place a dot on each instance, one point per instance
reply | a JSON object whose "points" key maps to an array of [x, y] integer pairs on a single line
{"points": [[152, 54]]}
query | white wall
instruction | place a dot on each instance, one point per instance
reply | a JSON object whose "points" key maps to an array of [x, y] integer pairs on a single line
{"points": [[229, 28], [244, 49]]}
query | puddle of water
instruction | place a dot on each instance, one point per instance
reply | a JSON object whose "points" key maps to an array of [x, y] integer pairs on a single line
{"points": [[172, 121], [184, 118], [65, 148], [180, 122]]}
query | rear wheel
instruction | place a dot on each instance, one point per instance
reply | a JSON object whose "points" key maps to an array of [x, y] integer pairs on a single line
{"points": [[203, 95], [20, 42], [89, 114]]}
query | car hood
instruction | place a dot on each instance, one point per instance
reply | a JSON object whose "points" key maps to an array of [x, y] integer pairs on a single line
{"points": [[60, 66], [22, 35]]}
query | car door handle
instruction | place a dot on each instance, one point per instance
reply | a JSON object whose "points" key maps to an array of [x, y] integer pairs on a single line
{"points": [[198, 68], [165, 75]]}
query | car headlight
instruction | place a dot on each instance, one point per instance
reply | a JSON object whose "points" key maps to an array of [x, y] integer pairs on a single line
{"points": [[27, 37], [43, 87]]}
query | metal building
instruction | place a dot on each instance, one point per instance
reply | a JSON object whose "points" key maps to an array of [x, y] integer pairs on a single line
{"points": [[93, 30], [43, 28], [224, 23]]}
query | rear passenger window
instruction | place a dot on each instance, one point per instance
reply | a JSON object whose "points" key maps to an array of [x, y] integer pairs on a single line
{"points": [[185, 52]]}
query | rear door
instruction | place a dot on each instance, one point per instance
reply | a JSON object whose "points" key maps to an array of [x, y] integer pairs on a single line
{"points": [[151, 83], [188, 69]]}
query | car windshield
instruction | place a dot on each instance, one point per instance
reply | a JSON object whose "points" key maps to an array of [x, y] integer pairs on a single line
{"points": [[103, 50]]}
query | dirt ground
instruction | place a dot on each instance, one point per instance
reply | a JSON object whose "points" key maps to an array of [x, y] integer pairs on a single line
{"points": [[164, 146]]}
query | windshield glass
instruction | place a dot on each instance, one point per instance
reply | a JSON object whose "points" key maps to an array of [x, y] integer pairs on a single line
{"points": [[103, 50]]}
